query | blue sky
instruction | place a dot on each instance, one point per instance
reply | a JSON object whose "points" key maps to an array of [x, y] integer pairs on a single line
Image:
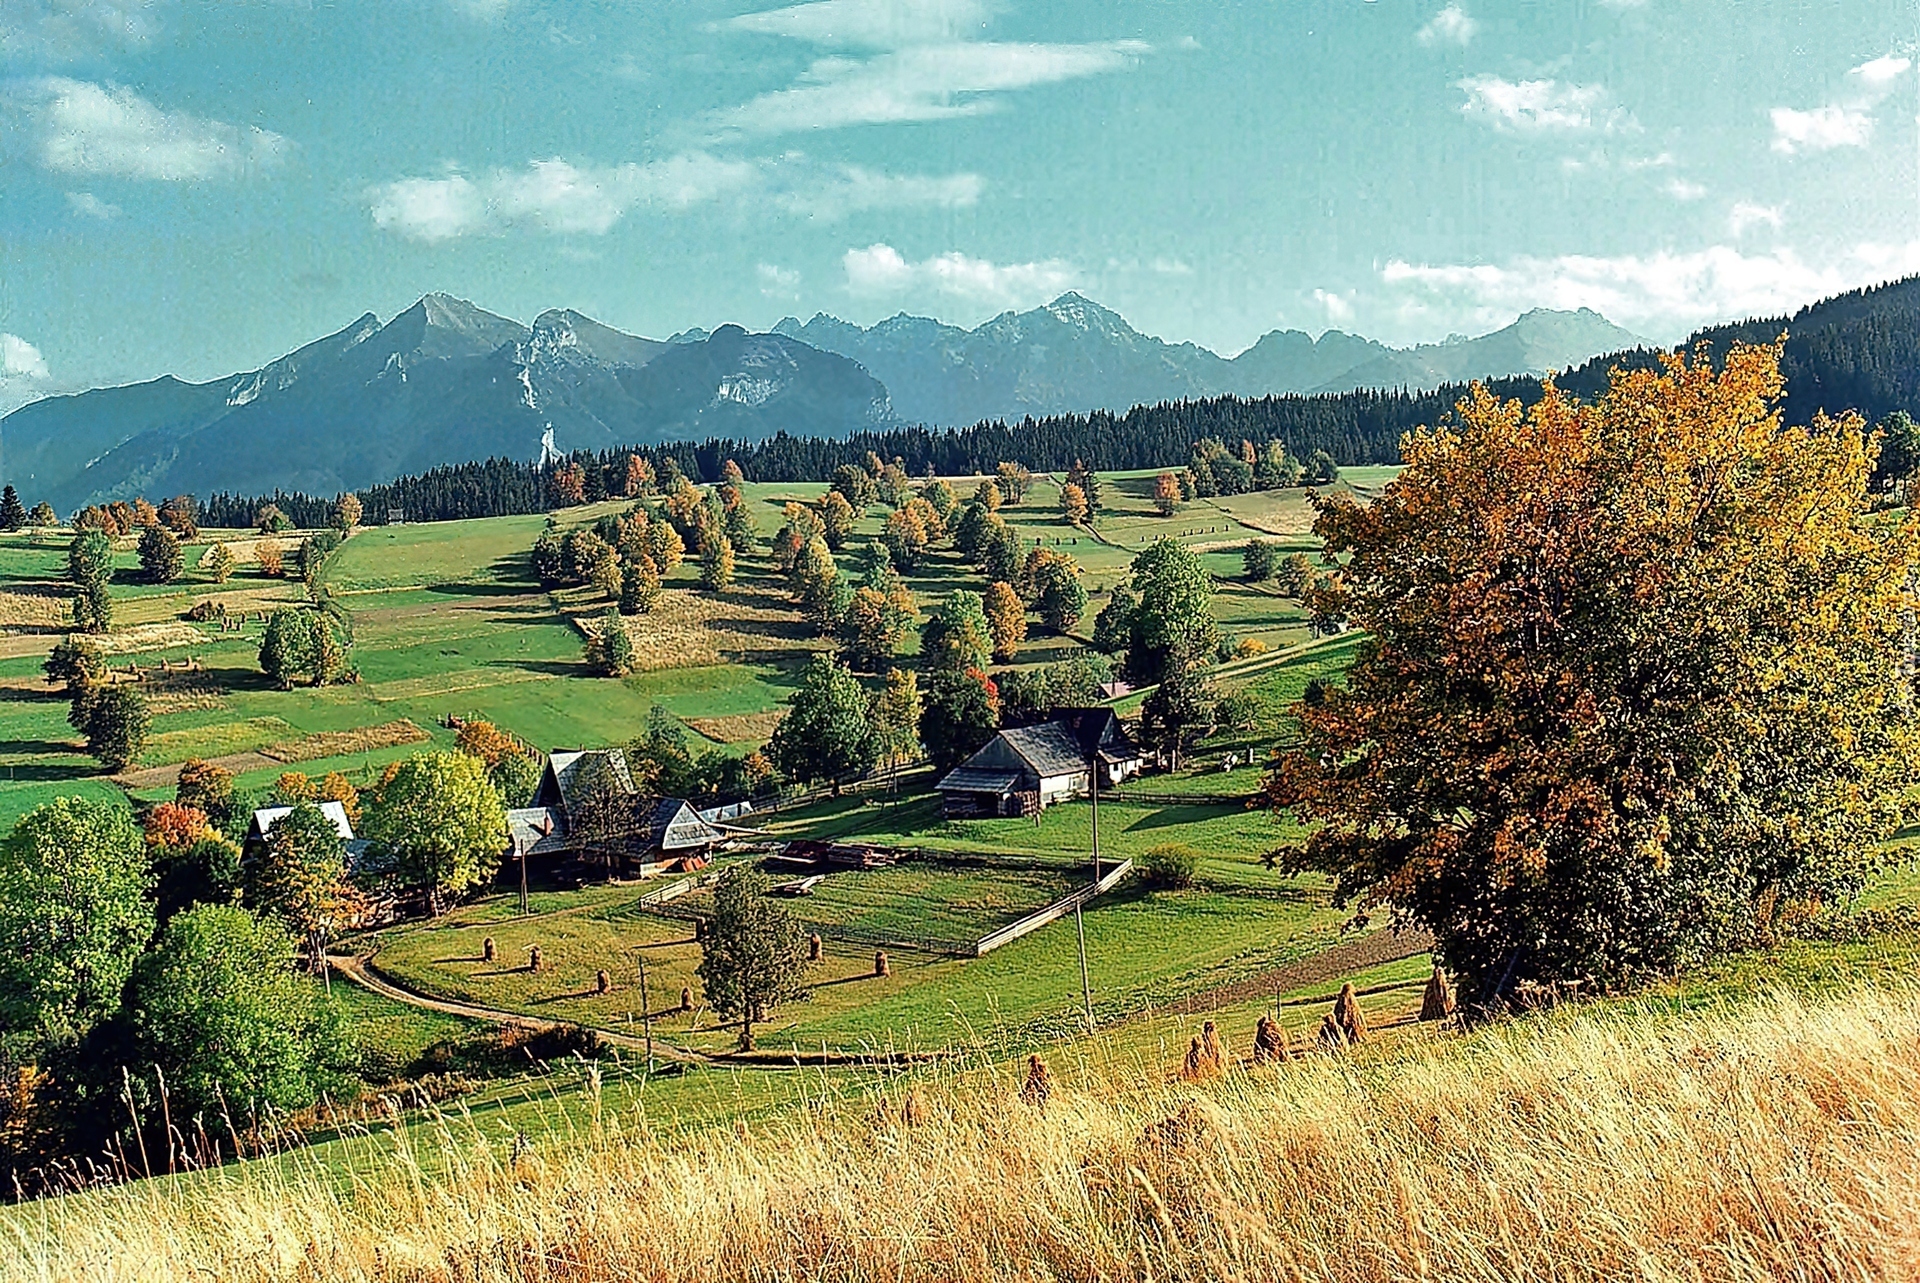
{"points": [[197, 187]]}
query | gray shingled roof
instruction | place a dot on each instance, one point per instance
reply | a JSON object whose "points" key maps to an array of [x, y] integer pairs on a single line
{"points": [[1049, 748], [968, 779]]}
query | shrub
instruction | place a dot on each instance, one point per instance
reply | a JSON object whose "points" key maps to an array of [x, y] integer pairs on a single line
{"points": [[1170, 865]]}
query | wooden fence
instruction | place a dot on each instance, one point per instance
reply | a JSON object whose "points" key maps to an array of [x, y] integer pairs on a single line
{"points": [[660, 903]]}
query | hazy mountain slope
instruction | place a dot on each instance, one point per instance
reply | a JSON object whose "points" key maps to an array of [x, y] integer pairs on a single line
{"points": [[1070, 355], [442, 382], [1540, 342], [1074, 355]]}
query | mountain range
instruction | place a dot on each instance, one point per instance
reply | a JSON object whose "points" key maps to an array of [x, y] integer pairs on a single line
{"points": [[447, 382]]}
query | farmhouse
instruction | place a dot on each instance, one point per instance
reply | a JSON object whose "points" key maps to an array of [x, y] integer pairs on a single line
{"points": [[587, 803], [1025, 769]]}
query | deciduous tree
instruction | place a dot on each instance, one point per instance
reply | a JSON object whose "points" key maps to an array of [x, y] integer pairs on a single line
{"points": [[439, 824], [957, 636], [959, 713], [74, 915], [116, 725], [1260, 559], [89, 570], [219, 563], [753, 955], [346, 514], [1167, 494], [1633, 682], [1050, 582], [1006, 619], [716, 564], [826, 734], [609, 647], [218, 1008]]}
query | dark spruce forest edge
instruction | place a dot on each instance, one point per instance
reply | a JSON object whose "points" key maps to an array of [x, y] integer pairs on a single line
{"points": [[1858, 351]]}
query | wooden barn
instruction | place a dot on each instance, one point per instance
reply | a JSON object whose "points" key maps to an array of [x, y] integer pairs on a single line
{"points": [[1025, 769]]}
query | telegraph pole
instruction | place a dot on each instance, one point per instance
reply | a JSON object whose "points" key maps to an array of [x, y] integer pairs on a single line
{"points": [[646, 1012], [1086, 985]]}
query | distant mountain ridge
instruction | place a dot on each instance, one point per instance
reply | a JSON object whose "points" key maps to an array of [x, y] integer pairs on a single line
{"points": [[447, 382], [1073, 356]]}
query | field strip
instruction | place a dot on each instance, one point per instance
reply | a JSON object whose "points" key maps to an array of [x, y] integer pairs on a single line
{"points": [[308, 748], [1346, 958], [427, 687], [169, 775]]}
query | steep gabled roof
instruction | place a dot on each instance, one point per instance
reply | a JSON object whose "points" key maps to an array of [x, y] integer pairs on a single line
{"points": [[1049, 748], [563, 772], [1098, 730], [675, 826], [267, 816]]}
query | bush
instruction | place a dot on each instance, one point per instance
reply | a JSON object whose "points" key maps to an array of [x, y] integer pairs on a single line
{"points": [[1170, 866]]}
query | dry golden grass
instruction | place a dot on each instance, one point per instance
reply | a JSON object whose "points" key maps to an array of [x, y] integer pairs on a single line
{"points": [[740, 728], [29, 606], [144, 637], [691, 630], [1773, 1142], [182, 692], [311, 748]]}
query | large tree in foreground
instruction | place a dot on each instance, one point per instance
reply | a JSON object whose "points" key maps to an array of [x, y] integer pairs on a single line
{"points": [[1634, 683]]}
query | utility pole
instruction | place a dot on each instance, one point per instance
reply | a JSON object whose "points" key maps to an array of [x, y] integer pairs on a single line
{"points": [[1093, 776], [1086, 985], [646, 1012]]}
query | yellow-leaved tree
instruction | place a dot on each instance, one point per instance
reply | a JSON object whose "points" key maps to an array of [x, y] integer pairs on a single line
{"points": [[1636, 681]]}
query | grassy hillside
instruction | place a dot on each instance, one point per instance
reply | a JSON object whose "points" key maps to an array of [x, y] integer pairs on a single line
{"points": [[1762, 1138]]}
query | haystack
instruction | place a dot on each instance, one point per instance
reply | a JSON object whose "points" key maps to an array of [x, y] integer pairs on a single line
{"points": [[1269, 1041], [1346, 1010], [1039, 1085], [1437, 1003]]}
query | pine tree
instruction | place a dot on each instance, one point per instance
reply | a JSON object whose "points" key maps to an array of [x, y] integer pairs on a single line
{"points": [[13, 513]]}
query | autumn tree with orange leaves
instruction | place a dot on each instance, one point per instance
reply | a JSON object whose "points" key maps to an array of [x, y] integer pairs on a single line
{"points": [[1635, 683]]}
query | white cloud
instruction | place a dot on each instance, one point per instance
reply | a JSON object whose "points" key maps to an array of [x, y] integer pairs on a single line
{"points": [[1684, 189], [1746, 214], [553, 195], [849, 189], [1821, 129], [87, 205], [871, 24], [86, 128], [64, 30], [881, 270], [556, 195], [1883, 70], [1542, 106], [922, 82], [778, 282], [1846, 122], [1664, 293], [1451, 26], [20, 361], [1338, 307]]}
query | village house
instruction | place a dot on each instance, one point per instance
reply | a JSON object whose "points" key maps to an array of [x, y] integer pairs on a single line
{"points": [[587, 807], [1025, 769]]}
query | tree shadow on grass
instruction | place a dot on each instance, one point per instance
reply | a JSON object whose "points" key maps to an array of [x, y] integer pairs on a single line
{"points": [[1174, 816], [50, 773]]}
